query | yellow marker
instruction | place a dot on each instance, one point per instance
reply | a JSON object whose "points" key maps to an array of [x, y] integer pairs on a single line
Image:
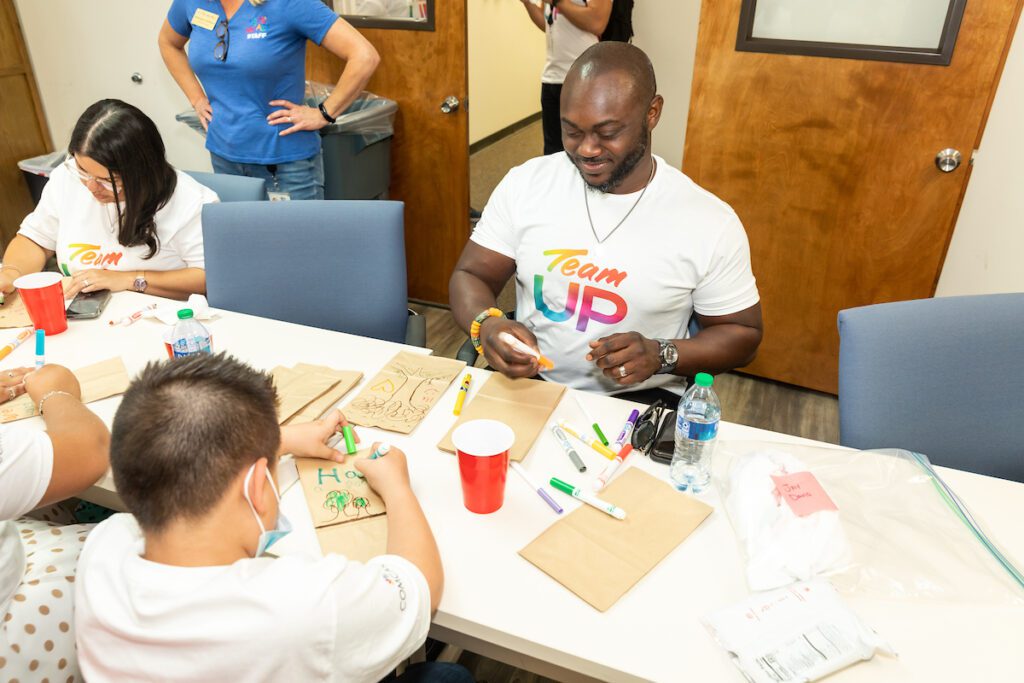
{"points": [[463, 392], [22, 336], [593, 443]]}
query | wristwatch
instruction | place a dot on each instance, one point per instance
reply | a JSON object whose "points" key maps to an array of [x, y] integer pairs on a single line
{"points": [[669, 355], [140, 283]]}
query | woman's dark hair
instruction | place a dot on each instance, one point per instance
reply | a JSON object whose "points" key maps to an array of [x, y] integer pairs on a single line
{"points": [[119, 136]]}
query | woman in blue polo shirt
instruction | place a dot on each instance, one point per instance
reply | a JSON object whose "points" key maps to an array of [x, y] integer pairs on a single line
{"points": [[251, 58]]}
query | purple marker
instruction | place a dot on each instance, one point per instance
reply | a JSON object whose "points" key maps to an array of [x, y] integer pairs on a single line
{"points": [[627, 429], [518, 469]]}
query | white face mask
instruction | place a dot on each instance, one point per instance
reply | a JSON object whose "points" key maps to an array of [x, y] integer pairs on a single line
{"points": [[283, 526]]}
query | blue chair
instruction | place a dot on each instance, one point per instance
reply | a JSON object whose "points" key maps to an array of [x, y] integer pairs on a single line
{"points": [[337, 265], [233, 188], [943, 377]]}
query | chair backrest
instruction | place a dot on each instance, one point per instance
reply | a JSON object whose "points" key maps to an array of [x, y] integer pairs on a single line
{"points": [[233, 188], [337, 265], [943, 377]]}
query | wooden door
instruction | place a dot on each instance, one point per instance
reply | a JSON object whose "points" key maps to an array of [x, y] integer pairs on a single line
{"points": [[830, 163], [430, 150], [23, 130]]}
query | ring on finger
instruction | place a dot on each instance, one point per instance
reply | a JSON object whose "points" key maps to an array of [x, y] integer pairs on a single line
{"points": [[622, 371], [87, 283], [11, 393], [10, 373]]}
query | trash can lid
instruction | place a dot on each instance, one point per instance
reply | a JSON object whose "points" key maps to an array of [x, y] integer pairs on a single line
{"points": [[42, 164]]}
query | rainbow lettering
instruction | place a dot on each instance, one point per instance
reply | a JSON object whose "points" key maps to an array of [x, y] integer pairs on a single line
{"points": [[570, 266]]}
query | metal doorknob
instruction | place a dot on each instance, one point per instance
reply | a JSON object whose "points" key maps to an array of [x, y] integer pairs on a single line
{"points": [[450, 104], [948, 160]]}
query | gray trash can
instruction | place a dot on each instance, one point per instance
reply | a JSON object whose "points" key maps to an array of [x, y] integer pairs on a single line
{"points": [[357, 148], [37, 171]]}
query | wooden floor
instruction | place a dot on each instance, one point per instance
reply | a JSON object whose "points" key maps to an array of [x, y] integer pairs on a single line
{"points": [[745, 400]]}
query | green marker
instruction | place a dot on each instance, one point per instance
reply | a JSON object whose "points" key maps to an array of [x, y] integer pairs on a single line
{"points": [[350, 439], [588, 498], [593, 423]]}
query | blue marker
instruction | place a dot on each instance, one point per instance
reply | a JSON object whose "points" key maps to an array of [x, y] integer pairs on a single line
{"points": [[40, 348], [381, 451]]}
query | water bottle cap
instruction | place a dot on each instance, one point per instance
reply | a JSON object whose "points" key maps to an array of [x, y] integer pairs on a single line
{"points": [[703, 379], [185, 314]]}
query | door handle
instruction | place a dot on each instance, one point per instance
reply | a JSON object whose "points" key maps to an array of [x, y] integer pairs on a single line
{"points": [[948, 160], [450, 104]]}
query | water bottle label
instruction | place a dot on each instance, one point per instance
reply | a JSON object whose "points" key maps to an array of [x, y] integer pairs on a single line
{"points": [[698, 431]]}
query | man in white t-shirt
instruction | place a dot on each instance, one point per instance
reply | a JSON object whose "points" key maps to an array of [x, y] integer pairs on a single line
{"points": [[181, 590], [570, 27], [613, 250]]}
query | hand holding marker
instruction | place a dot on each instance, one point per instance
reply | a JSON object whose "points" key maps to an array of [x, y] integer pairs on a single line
{"points": [[519, 346]]}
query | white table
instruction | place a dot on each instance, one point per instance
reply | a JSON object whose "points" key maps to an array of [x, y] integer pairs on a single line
{"points": [[501, 606]]}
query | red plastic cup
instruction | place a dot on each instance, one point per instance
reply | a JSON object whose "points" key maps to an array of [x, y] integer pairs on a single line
{"points": [[482, 447], [44, 300]]}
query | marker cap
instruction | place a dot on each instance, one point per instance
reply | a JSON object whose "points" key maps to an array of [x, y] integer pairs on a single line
{"points": [[562, 486]]}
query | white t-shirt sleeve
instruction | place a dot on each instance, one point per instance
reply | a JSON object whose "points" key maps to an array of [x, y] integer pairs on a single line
{"points": [[26, 465], [388, 598], [496, 229], [187, 240], [43, 224], [728, 286]]}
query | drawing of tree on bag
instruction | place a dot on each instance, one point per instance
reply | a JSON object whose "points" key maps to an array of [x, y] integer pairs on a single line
{"points": [[343, 502], [405, 395]]}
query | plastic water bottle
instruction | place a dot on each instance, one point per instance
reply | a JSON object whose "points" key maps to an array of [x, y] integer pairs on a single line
{"points": [[696, 433], [190, 336]]}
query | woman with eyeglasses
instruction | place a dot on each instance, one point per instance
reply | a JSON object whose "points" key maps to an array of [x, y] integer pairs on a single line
{"points": [[116, 215], [251, 58]]}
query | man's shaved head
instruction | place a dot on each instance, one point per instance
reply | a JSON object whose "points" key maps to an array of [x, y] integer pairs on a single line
{"points": [[608, 108], [604, 58]]}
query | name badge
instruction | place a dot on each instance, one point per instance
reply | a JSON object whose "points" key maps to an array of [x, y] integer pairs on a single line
{"points": [[204, 19]]}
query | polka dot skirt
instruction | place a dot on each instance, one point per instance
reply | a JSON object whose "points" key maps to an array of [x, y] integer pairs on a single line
{"points": [[37, 638]]}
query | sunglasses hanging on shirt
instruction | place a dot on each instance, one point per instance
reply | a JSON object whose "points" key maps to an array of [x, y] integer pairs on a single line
{"points": [[220, 50]]}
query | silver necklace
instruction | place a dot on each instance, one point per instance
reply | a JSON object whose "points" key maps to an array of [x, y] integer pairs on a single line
{"points": [[586, 202]]}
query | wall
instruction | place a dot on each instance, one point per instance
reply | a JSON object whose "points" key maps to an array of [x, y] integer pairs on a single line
{"points": [[667, 31], [986, 254], [85, 51], [506, 57]]}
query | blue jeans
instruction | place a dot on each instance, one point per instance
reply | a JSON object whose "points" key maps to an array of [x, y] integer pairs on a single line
{"points": [[432, 672], [302, 179]]}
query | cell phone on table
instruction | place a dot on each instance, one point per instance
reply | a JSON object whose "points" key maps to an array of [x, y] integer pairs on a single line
{"points": [[665, 442], [88, 305]]}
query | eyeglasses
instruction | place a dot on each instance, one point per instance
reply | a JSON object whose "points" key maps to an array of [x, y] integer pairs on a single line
{"points": [[72, 166], [647, 427], [220, 50]]}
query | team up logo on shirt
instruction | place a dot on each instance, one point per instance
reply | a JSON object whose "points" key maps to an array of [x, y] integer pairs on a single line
{"points": [[257, 28], [90, 255], [569, 264]]}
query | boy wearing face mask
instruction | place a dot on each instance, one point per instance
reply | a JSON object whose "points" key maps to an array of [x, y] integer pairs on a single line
{"points": [[180, 589]]}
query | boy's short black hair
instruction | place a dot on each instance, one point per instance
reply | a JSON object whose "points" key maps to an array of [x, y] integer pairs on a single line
{"points": [[185, 428]]}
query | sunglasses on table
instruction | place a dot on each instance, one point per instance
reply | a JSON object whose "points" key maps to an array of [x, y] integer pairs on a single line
{"points": [[648, 425]]}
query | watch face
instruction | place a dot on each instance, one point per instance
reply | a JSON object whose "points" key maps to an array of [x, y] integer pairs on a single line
{"points": [[670, 354], [140, 284]]}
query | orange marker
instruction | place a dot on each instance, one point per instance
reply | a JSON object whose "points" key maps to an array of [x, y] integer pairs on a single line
{"points": [[22, 336], [518, 345]]}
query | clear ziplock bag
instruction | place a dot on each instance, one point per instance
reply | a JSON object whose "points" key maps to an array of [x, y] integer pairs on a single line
{"points": [[908, 534]]}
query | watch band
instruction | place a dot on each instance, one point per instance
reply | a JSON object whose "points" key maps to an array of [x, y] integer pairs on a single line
{"points": [[323, 112], [667, 366]]}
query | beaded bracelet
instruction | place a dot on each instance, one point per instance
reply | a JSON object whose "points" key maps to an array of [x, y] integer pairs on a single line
{"points": [[48, 395], [474, 328]]}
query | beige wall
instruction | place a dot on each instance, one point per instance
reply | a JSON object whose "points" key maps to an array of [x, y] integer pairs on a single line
{"points": [[667, 31], [986, 254], [506, 56], [85, 51]]}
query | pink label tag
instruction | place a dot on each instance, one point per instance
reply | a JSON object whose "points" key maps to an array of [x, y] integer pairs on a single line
{"points": [[802, 493]]}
